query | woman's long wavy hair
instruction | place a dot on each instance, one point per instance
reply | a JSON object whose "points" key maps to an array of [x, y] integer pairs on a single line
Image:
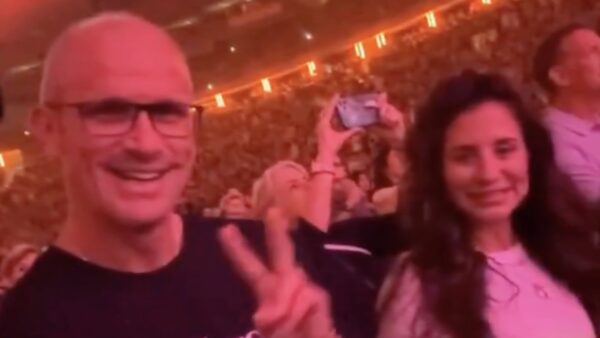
{"points": [[553, 223]]}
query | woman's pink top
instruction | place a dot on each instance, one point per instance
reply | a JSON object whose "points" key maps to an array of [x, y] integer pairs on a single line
{"points": [[523, 302]]}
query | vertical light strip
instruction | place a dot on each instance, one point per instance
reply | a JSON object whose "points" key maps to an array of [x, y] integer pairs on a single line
{"points": [[266, 84], [359, 48], [431, 19], [220, 100], [381, 40], [312, 68]]}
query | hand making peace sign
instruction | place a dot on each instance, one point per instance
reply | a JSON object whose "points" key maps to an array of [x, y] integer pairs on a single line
{"points": [[289, 304]]}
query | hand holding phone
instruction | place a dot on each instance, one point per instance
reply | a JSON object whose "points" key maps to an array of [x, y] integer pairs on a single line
{"points": [[330, 137], [359, 111]]}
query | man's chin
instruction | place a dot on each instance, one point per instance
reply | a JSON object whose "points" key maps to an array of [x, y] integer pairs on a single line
{"points": [[143, 216]]}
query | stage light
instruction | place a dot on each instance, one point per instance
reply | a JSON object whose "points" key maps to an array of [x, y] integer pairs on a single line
{"points": [[2, 163], [266, 84], [220, 100], [359, 49], [232, 49], [308, 36], [381, 40], [431, 20], [486, 2], [312, 68], [209, 86], [26, 133]]}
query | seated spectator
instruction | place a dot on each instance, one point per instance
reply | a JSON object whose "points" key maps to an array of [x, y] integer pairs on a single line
{"points": [[234, 205], [283, 185]]}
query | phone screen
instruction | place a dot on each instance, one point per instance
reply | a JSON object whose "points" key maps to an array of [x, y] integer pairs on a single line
{"points": [[358, 111]]}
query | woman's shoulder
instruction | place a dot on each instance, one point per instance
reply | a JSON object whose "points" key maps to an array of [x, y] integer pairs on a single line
{"points": [[400, 304], [400, 283]]}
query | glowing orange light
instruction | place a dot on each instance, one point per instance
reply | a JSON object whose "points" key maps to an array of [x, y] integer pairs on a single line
{"points": [[220, 100], [486, 2], [312, 68], [2, 163], [266, 84], [431, 19], [381, 40], [359, 49]]}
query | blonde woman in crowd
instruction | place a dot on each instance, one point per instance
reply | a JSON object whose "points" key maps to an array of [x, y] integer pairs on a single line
{"points": [[283, 185]]}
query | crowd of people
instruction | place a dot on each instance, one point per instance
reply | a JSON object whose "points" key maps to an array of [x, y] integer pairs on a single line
{"points": [[476, 215], [264, 129]]}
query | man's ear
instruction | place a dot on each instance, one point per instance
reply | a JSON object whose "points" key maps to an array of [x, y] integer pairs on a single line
{"points": [[44, 127], [559, 77]]}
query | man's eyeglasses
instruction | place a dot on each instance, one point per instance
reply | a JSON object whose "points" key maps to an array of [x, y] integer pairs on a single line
{"points": [[116, 117]]}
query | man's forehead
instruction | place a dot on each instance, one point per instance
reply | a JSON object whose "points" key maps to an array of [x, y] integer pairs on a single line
{"points": [[98, 76], [128, 58]]}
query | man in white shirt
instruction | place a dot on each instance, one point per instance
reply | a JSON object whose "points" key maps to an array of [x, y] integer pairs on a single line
{"points": [[567, 65]]}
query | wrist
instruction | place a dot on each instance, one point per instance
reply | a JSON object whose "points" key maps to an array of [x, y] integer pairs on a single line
{"points": [[318, 167], [325, 157]]}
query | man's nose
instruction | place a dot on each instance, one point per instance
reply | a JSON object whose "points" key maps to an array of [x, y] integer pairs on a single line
{"points": [[143, 136]]}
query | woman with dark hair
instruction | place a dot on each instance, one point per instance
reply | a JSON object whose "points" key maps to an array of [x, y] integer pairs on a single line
{"points": [[502, 245]]}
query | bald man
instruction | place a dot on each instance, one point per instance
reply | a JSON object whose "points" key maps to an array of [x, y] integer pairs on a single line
{"points": [[116, 109]]}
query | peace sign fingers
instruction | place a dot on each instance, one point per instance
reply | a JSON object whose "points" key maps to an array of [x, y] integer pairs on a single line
{"points": [[289, 305], [245, 261]]}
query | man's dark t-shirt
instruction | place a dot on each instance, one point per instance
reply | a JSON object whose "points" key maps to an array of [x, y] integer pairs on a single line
{"points": [[197, 295]]}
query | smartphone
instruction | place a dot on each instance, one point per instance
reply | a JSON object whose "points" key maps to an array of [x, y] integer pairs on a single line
{"points": [[358, 111]]}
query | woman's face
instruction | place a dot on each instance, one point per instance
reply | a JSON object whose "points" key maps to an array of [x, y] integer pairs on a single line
{"points": [[290, 188], [486, 163]]}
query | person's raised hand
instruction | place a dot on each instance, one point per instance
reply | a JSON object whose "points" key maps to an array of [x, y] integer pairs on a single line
{"points": [[392, 126], [289, 304], [330, 141]]}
